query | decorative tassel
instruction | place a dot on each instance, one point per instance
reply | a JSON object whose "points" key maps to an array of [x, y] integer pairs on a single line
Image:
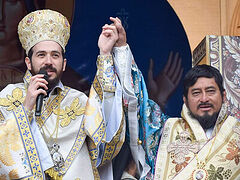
{"points": [[53, 174]]}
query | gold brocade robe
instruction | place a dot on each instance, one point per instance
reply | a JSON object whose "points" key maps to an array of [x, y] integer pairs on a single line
{"points": [[68, 118], [185, 152]]}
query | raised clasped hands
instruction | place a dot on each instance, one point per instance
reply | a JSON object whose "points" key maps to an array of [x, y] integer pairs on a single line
{"points": [[111, 35], [122, 39]]}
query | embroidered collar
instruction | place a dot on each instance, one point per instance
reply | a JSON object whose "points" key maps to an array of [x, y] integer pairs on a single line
{"points": [[197, 128]]}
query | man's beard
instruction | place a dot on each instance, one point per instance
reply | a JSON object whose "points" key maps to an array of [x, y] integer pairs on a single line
{"points": [[51, 82], [206, 121]]}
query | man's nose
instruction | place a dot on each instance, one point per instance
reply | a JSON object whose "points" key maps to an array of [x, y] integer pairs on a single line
{"points": [[204, 97], [48, 59]]}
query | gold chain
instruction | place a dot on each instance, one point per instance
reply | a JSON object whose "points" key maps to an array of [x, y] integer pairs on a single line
{"points": [[55, 129], [201, 164]]}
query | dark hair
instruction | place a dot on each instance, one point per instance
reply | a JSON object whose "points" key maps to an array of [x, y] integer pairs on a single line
{"points": [[202, 71], [30, 53]]}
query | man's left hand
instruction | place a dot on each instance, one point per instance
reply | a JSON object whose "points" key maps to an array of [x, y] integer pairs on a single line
{"points": [[122, 39]]}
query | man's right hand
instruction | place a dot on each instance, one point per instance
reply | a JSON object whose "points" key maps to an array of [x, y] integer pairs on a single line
{"points": [[107, 39], [37, 85]]}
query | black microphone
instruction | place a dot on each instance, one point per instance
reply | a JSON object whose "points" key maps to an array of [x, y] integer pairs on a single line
{"points": [[39, 101]]}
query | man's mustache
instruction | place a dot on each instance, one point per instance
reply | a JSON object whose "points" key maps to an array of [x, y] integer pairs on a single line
{"points": [[49, 68], [204, 104]]}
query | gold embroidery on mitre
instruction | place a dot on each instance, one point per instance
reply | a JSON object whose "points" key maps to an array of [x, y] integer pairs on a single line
{"points": [[13, 101], [70, 113], [43, 25]]}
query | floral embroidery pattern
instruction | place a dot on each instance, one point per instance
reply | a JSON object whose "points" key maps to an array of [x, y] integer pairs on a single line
{"points": [[183, 164], [233, 149], [214, 173], [13, 101], [227, 174], [234, 152], [181, 148], [231, 73], [9, 142], [13, 174], [70, 113]]}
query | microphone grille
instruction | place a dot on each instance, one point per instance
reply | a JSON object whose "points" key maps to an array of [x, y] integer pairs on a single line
{"points": [[43, 71]]}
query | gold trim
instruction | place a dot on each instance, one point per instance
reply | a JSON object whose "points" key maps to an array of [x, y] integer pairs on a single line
{"points": [[75, 149], [105, 73], [54, 104], [111, 149], [28, 142], [97, 87], [27, 77], [2, 119], [168, 154]]}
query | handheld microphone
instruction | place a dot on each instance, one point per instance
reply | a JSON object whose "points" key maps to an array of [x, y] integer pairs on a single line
{"points": [[39, 101]]}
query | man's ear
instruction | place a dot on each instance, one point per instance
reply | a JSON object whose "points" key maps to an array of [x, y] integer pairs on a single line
{"points": [[224, 96], [184, 99], [64, 64], [28, 63]]}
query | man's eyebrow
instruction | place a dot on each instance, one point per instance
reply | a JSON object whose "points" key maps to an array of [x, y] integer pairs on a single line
{"points": [[40, 52], [210, 87], [55, 51], [195, 89]]}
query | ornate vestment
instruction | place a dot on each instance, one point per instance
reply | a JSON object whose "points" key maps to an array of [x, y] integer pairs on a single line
{"points": [[144, 117], [185, 152], [30, 146]]}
